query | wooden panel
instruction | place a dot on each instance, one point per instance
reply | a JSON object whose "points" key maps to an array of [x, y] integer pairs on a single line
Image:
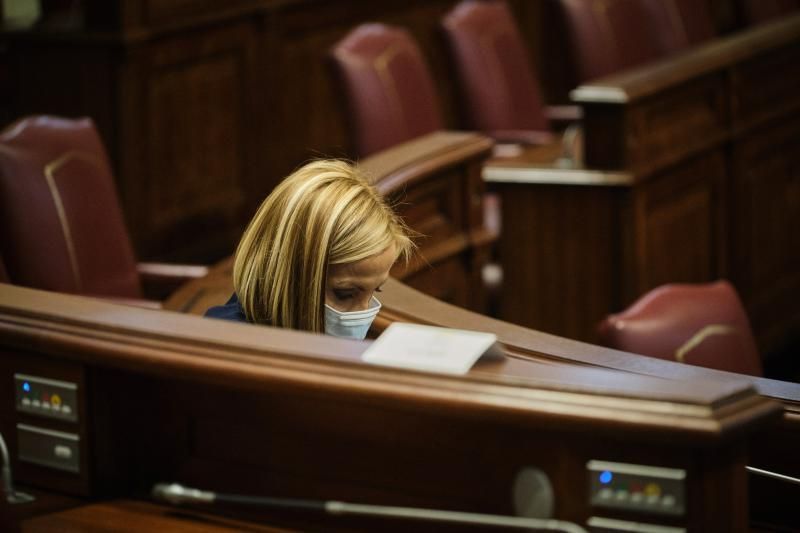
{"points": [[447, 281], [435, 211], [653, 132], [196, 119], [269, 411], [190, 145], [766, 199], [708, 141], [656, 129], [165, 11], [766, 87], [679, 215], [561, 266]]}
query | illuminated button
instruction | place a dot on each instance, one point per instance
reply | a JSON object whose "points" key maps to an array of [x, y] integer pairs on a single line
{"points": [[651, 489], [56, 407], [55, 400], [62, 452], [46, 406], [36, 403], [652, 499], [66, 409], [637, 497], [26, 402], [605, 493], [668, 500], [621, 495]]}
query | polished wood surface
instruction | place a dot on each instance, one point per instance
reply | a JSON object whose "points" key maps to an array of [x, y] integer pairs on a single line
{"points": [[263, 410], [434, 183], [771, 449], [688, 177]]}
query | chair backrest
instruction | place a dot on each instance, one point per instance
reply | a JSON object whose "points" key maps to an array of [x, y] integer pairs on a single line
{"points": [[679, 24], [697, 324], [60, 219], [390, 93], [499, 88], [609, 35]]}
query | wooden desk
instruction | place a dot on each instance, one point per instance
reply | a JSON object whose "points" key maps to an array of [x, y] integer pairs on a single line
{"points": [[690, 175], [268, 411], [774, 449]]}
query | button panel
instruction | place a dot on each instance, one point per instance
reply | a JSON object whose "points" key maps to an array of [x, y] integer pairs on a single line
{"points": [[46, 397], [46, 447], [643, 488]]}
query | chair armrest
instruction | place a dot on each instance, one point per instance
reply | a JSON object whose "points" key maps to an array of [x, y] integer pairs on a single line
{"points": [[523, 137], [396, 168], [562, 117], [563, 113], [133, 302], [159, 280]]}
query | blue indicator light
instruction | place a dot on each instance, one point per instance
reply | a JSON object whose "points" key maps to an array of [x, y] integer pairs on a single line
{"points": [[606, 477], [26, 386]]}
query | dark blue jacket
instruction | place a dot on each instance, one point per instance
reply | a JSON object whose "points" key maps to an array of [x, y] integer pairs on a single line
{"points": [[230, 311]]}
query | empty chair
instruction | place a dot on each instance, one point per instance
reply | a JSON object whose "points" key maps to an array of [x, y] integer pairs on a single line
{"points": [[679, 24], [500, 91], [61, 226], [390, 94], [609, 35], [697, 324]]}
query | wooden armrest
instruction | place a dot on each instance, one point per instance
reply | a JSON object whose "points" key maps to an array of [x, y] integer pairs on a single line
{"points": [[563, 113], [134, 302], [172, 271], [523, 137], [395, 168], [159, 280]]}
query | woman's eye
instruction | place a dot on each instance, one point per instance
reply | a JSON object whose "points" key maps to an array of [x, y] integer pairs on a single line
{"points": [[343, 295]]}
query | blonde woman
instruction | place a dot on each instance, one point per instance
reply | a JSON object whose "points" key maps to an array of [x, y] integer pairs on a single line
{"points": [[316, 252]]}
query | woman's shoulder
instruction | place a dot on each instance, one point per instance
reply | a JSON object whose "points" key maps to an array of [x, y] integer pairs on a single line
{"points": [[231, 310]]}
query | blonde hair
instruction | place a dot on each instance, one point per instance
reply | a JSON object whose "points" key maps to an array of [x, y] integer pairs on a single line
{"points": [[324, 213]]}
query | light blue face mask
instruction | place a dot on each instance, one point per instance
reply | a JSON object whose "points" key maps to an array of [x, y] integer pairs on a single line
{"points": [[352, 324]]}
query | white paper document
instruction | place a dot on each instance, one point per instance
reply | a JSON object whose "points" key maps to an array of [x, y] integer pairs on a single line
{"points": [[430, 348]]}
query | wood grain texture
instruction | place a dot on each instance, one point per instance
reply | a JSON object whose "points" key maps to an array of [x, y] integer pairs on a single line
{"points": [[708, 140], [262, 410], [205, 106]]}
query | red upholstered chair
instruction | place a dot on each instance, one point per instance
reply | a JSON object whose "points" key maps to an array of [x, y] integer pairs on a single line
{"points": [[609, 35], [499, 88], [697, 324], [387, 85], [61, 225], [679, 24]]}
